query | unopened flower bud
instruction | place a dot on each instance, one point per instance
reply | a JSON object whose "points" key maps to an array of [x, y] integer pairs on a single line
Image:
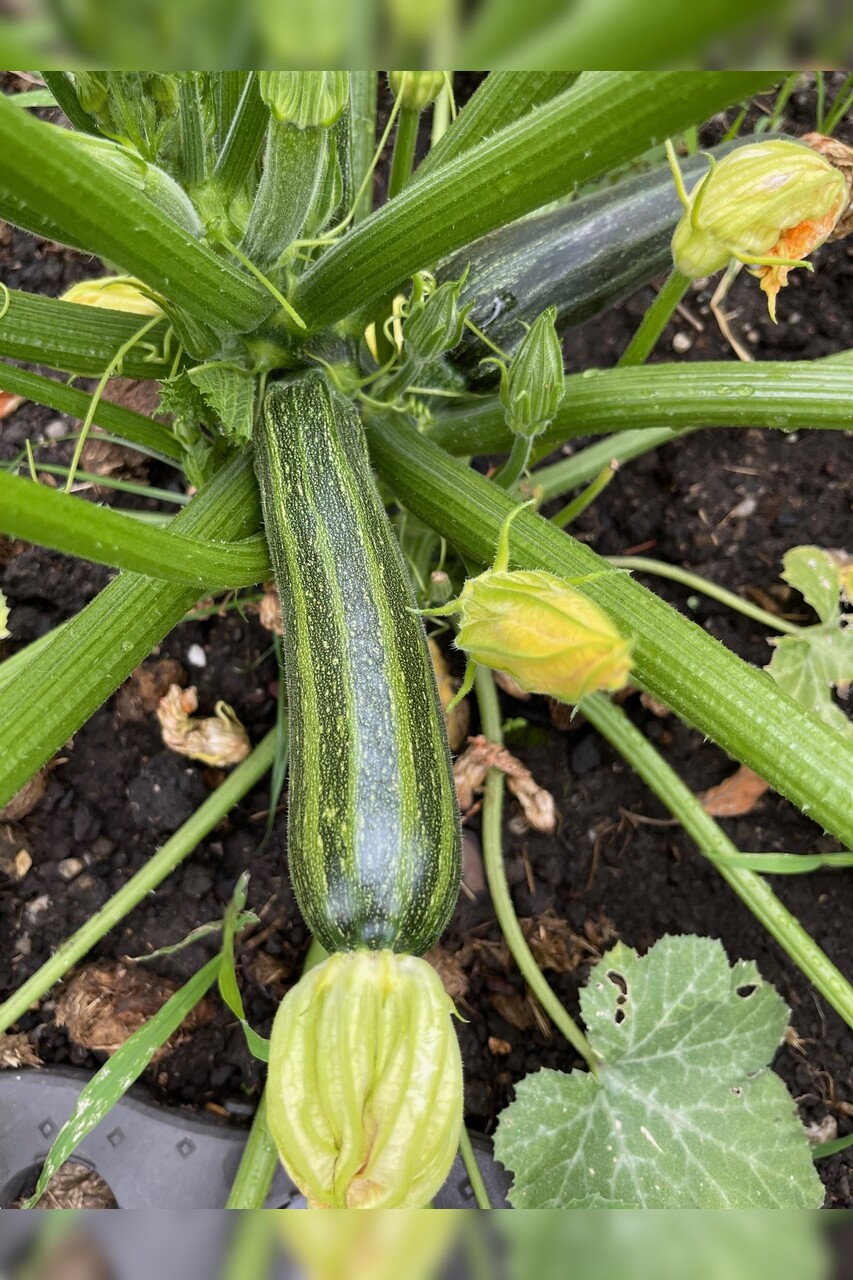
{"points": [[532, 387], [364, 1095], [307, 99], [436, 324], [767, 205], [114, 293], [543, 633], [416, 89]]}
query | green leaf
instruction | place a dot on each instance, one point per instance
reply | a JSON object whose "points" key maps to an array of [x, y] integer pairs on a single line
{"points": [[228, 987], [77, 527], [46, 181], [230, 394], [124, 1067], [815, 574], [809, 666], [76, 338], [604, 120], [685, 1112]]}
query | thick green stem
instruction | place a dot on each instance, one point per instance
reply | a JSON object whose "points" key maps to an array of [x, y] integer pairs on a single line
{"points": [[612, 722], [695, 583], [784, 395], [162, 864], [655, 320], [258, 1164], [490, 719], [405, 142], [742, 709], [515, 464], [242, 142], [362, 127]]}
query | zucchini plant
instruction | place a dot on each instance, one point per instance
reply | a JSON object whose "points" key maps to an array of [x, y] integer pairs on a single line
{"points": [[306, 343]]}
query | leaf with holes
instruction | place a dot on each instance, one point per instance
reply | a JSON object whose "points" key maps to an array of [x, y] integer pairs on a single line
{"points": [[684, 1112]]}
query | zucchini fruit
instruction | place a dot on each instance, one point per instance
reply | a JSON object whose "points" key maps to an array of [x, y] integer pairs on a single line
{"points": [[374, 841], [581, 258]]}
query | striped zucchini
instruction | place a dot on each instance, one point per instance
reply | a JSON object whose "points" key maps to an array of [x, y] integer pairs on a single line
{"points": [[581, 258], [373, 827]]}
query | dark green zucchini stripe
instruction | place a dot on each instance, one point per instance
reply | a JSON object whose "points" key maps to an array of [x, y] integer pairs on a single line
{"points": [[373, 829]]}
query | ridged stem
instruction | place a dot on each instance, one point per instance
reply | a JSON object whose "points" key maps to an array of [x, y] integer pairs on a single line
{"points": [[490, 719], [613, 724]]}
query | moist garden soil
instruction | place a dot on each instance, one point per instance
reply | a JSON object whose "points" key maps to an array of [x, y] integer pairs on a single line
{"points": [[724, 504]]}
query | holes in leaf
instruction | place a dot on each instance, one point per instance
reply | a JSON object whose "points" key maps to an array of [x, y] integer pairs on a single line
{"points": [[747, 990], [622, 999]]}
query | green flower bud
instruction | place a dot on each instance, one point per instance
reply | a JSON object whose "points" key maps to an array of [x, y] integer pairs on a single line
{"points": [[435, 325], [548, 637], [532, 387], [538, 629], [416, 89], [766, 204], [307, 99], [365, 1082]]}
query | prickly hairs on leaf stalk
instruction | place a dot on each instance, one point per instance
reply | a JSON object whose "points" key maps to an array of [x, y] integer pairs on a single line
{"points": [[534, 626], [767, 205], [365, 1082]]}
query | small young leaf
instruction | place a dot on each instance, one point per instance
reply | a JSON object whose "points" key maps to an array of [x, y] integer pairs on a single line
{"points": [[815, 574], [808, 666], [683, 1113], [230, 394]]}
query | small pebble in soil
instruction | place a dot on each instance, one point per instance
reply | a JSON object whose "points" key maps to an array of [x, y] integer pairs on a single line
{"points": [[196, 656], [682, 342], [70, 868], [56, 429]]}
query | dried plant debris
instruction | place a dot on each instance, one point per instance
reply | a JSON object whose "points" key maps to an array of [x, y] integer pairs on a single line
{"points": [[16, 1051], [106, 458], [734, 796], [25, 800], [9, 403], [458, 722], [106, 1002], [841, 157], [505, 681], [75, 1257], [146, 686], [218, 740], [472, 768], [269, 610]]}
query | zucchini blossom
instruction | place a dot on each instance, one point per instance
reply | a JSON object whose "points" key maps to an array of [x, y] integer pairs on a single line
{"points": [[767, 205], [364, 1100]]}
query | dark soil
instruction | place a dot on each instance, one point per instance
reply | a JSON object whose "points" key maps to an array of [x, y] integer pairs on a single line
{"points": [[614, 870]]}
